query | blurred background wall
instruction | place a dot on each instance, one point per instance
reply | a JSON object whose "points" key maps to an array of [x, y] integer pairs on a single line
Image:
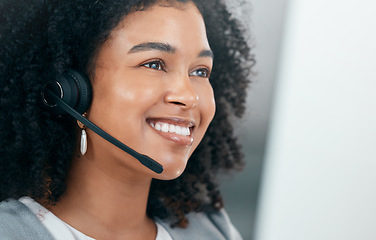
{"points": [[264, 21], [310, 131]]}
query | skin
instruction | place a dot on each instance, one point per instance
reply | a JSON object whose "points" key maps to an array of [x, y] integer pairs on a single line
{"points": [[136, 84]]}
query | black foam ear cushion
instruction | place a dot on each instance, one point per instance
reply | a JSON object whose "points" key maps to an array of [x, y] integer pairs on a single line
{"points": [[73, 87], [84, 91]]}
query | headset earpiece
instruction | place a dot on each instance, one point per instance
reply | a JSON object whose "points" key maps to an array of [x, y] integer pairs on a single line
{"points": [[71, 93], [83, 87], [74, 88]]}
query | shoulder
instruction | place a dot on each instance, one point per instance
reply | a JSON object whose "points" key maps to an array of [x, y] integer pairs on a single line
{"points": [[204, 225], [18, 222]]}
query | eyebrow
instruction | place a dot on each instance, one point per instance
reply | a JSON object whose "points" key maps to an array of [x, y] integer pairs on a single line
{"points": [[206, 53], [164, 47]]}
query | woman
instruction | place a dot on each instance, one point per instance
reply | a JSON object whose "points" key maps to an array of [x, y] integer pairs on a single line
{"points": [[149, 64]]}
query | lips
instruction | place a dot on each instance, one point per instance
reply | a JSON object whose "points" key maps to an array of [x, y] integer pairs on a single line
{"points": [[173, 129]]}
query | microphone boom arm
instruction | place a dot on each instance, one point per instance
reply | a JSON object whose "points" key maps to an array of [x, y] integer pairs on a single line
{"points": [[143, 159]]}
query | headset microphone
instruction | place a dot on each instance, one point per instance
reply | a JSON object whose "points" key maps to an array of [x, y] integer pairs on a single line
{"points": [[75, 81]]}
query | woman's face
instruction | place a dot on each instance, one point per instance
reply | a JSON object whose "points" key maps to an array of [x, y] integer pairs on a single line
{"points": [[151, 90]]}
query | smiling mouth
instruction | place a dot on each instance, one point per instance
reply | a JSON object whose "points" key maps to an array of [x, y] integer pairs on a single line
{"points": [[177, 131]]}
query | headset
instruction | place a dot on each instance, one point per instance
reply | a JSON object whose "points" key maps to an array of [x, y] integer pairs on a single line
{"points": [[71, 93]]}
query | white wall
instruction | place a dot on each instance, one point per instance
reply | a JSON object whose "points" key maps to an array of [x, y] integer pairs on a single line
{"points": [[319, 179]]}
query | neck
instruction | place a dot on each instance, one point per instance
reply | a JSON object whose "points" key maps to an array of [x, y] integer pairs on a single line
{"points": [[103, 204]]}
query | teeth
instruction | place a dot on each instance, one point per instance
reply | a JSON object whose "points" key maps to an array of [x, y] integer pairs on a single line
{"points": [[165, 127], [178, 130], [184, 131], [171, 128]]}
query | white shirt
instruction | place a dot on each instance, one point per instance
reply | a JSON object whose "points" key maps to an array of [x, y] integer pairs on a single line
{"points": [[60, 230]]}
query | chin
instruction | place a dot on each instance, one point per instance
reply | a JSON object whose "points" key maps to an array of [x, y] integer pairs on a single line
{"points": [[171, 169]]}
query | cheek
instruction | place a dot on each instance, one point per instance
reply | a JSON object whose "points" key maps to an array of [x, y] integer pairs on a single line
{"points": [[207, 110], [124, 91], [206, 104], [117, 104]]}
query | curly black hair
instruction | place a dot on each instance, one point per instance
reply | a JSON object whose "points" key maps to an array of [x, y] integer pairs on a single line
{"points": [[42, 38]]}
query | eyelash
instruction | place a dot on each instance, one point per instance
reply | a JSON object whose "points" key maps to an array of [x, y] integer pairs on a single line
{"points": [[159, 65], [159, 62], [205, 71]]}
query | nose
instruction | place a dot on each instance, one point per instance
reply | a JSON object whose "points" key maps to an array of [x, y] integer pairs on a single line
{"points": [[181, 92]]}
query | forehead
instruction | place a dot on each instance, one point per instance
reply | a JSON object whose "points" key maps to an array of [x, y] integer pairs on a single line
{"points": [[181, 25]]}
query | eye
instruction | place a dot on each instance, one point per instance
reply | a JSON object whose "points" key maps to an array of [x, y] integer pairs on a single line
{"points": [[201, 72], [156, 65]]}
